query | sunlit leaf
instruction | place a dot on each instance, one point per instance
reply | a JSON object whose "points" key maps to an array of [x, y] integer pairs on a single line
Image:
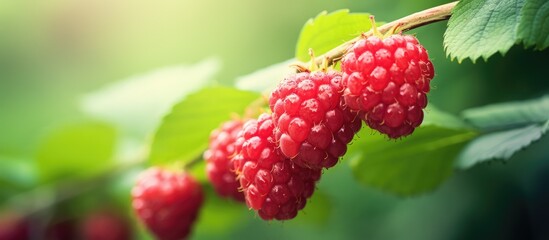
{"points": [[183, 133], [328, 30]]}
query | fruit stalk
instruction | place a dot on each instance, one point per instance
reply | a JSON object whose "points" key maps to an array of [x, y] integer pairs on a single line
{"points": [[431, 15]]}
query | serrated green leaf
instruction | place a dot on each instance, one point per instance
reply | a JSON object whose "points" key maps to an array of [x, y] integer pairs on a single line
{"points": [[509, 114], [481, 28], [499, 145], [328, 30], [533, 28], [183, 133], [76, 151], [415, 164]]}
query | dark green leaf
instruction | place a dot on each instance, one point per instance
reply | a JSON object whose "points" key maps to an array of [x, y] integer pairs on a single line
{"points": [[327, 31], [509, 114], [183, 134], [415, 164], [499, 145], [533, 28], [76, 151], [480, 28]]}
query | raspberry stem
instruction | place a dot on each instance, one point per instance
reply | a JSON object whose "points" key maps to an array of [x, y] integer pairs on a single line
{"points": [[415, 20], [313, 66], [374, 30], [190, 164]]}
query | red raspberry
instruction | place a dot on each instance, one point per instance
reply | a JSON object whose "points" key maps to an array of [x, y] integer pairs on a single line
{"points": [[312, 127], [167, 202], [219, 168], [273, 185], [61, 228], [387, 80], [105, 225], [14, 226]]}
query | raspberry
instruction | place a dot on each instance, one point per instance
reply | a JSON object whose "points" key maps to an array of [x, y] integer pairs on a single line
{"points": [[167, 202], [387, 81], [61, 228], [273, 185], [105, 225], [14, 226], [312, 127], [219, 168]]}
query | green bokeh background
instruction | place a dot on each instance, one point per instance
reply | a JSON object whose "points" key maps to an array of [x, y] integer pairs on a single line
{"points": [[52, 52]]}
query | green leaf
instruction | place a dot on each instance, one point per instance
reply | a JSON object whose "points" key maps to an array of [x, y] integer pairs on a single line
{"points": [[481, 28], [183, 133], [137, 104], [533, 28], [504, 115], [16, 171], [499, 145], [327, 31], [75, 151], [415, 164]]}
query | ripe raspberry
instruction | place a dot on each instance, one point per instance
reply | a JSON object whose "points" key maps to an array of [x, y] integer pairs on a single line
{"points": [[14, 226], [61, 228], [167, 202], [273, 185], [312, 127], [105, 225], [387, 80], [219, 168]]}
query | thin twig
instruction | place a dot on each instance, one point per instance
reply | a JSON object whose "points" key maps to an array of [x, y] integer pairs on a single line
{"points": [[431, 15]]}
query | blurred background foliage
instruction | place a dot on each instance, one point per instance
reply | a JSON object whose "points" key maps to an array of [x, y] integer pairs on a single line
{"points": [[55, 54]]}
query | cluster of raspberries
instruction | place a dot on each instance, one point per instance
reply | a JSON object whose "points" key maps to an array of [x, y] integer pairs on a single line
{"points": [[273, 163]]}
